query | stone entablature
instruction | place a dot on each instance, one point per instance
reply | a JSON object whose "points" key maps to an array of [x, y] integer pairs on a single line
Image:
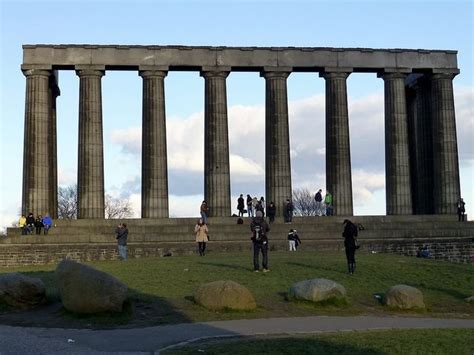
{"points": [[302, 59]]}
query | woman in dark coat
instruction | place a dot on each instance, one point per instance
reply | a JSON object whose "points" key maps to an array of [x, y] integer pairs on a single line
{"points": [[350, 243]]}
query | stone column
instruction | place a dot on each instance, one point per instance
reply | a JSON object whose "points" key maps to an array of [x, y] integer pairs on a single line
{"points": [[90, 171], [397, 157], [338, 153], [421, 142], [36, 196], [277, 140], [154, 156], [54, 92], [216, 143], [445, 150]]}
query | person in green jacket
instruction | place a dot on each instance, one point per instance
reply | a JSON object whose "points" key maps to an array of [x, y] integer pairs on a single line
{"points": [[328, 203]]}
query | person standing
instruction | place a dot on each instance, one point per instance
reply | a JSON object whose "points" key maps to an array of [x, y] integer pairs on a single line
{"points": [[201, 236], [293, 240], [288, 211], [241, 205], [38, 224], [319, 202], [47, 223], [22, 224], [249, 206], [259, 239], [204, 211], [328, 203], [254, 206], [350, 244], [122, 236], [262, 203], [461, 209], [271, 211]]}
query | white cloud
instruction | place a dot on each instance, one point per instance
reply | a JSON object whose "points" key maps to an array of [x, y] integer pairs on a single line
{"points": [[66, 177]]}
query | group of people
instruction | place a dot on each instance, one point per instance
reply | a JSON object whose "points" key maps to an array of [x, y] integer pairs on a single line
{"points": [[259, 236], [29, 223], [323, 207], [254, 205]]}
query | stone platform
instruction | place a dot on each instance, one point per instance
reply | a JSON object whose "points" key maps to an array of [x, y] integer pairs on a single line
{"points": [[87, 240]]}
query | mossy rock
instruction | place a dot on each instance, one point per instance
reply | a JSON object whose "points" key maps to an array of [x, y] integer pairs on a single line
{"points": [[221, 295]]}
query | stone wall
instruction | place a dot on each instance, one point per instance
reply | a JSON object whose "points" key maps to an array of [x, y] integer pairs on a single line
{"points": [[455, 250]]}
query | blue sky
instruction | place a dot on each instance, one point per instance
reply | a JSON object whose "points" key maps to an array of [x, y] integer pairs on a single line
{"points": [[377, 24]]}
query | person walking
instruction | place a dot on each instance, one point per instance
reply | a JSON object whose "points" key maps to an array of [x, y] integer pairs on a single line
{"points": [[350, 244], [241, 205], [47, 223], [293, 240], [202, 237], [461, 209], [204, 211], [122, 235], [271, 211], [319, 202], [328, 203], [22, 224], [259, 239], [249, 206]]}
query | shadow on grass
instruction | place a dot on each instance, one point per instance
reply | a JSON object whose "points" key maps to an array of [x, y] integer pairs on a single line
{"points": [[449, 292], [281, 345], [229, 266], [321, 268], [139, 310]]}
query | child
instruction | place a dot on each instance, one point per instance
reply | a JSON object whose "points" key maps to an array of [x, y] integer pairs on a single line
{"points": [[293, 240]]}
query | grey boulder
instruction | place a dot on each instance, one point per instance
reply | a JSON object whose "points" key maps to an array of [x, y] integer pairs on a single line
{"points": [[20, 291], [404, 297], [317, 290], [84, 289]]}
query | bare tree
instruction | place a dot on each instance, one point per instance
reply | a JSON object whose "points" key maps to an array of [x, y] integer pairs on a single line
{"points": [[117, 208], [67, 204], [304, 202]]}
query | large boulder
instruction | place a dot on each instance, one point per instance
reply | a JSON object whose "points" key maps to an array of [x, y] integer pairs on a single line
{"points": [[317, 290], [404, 297], [84, 289], [219, 295], [469, 299], [20, 291]]}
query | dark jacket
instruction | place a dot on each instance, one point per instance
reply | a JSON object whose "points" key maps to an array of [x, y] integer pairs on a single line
{"points": [[122, 235], [295, 237], [240, 203], [259, 221], [318, 197], [350, 235], [38, 222], [271, 210], [30, 219]]}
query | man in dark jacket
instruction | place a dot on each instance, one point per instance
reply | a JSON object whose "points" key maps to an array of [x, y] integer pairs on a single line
{"points": [[122, 235], [350, 243], [259, 239]]}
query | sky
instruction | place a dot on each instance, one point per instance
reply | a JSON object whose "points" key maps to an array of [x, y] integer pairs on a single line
{"points": [[374, 24]]}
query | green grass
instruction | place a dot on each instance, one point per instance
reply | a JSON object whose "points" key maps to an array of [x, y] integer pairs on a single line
{"points": [[427, 341], [162, 288]]}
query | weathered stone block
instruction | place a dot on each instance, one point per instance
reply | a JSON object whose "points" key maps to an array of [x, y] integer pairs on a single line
{"points": [[219, 295]]}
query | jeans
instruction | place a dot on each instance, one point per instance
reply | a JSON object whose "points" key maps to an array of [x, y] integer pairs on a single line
{"points": [[319, 208], [46, 229], [250, 210], [122, 249], [257, 247], [204, 217]]}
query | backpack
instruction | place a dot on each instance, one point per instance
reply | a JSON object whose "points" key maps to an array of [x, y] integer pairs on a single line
{"points": [[258, 232]]}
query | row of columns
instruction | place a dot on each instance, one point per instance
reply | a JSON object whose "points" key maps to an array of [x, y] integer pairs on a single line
{"points": [[40, 162]]}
